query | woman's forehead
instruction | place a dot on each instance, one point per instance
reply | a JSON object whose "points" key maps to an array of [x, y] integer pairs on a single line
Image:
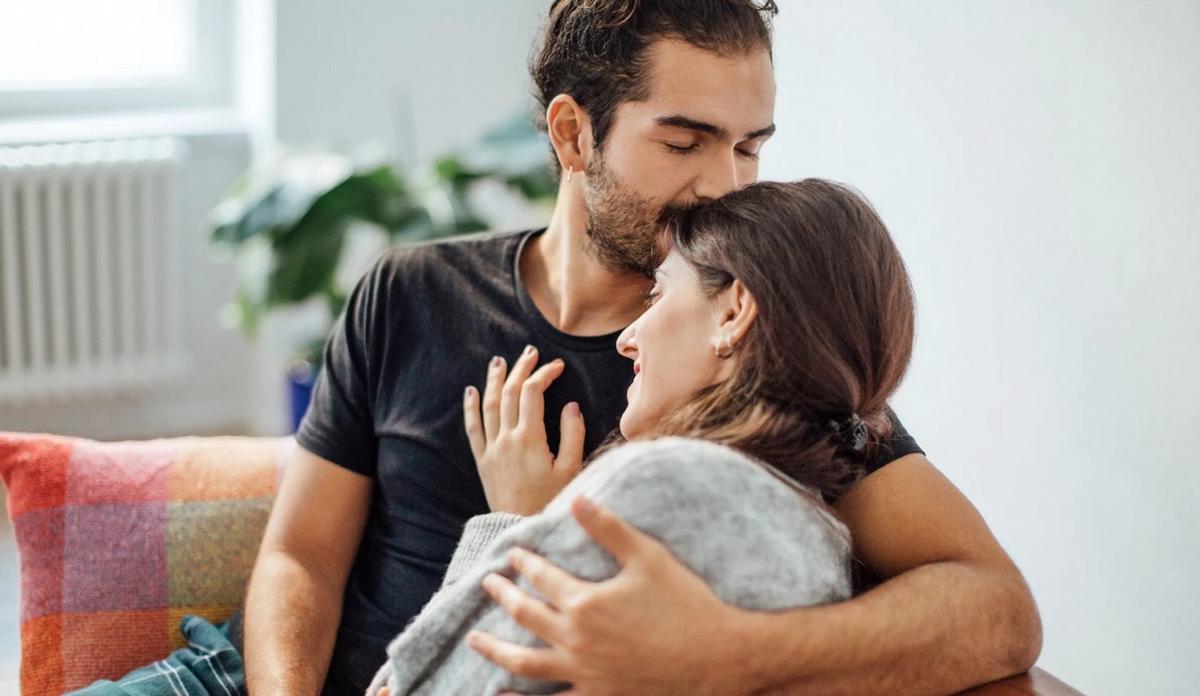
{"points": [[671, 264]]}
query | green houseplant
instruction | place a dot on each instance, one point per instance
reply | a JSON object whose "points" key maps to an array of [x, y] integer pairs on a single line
{"points": [[289, 222]]}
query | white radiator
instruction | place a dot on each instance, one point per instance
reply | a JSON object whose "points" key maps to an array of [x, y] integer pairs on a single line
{"points": [[89, 281]]}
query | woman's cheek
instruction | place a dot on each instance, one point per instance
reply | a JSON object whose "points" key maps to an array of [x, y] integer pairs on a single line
{"points": [[629, 422], [632, 420]]}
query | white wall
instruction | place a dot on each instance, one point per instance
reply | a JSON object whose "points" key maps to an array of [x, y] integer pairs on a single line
{"points": [[414, 77], [1039, 165]]}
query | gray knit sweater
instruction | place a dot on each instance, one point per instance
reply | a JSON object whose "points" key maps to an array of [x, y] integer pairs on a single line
{"points": [[757, 541]]}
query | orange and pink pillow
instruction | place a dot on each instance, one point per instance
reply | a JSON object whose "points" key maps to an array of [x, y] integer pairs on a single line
{"points": [[117, 541]]}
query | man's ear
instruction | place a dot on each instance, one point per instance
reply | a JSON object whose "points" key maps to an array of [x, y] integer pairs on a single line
{"points": [[737, 311], [570, 131]]}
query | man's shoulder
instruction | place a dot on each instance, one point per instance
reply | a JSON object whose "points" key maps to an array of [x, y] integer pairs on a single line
{"points": [[427, 279], [477, 251]]}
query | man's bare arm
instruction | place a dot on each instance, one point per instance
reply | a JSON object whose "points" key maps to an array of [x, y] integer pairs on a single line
{"points": [[294, 602], [953, 611]]}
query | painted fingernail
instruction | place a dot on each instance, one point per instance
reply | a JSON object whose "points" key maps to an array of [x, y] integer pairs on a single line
{"points": [[572, 409], [529, 350], [496, 361], [467, 392]]}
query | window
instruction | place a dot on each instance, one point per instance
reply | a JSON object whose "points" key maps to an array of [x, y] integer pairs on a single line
{"points": [[63, 57]]}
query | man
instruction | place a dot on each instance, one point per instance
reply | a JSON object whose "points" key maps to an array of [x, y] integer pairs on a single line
{"points": [[646, 104]]}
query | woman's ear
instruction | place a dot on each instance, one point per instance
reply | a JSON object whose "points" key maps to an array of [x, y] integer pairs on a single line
{"points": [[570, 131], [737, 311]]}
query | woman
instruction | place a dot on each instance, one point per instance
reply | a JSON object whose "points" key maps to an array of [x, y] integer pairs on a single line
{"points": [[779, 324]]}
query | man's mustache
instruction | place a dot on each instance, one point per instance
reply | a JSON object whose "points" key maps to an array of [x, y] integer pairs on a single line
{"points": [[675, 213]]}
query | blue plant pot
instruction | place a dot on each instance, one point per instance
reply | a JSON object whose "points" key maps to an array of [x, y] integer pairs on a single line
{"points": [[301, 376]]}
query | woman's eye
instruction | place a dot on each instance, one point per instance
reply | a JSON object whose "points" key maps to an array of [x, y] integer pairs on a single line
{"points": [[679, 149], [652, 296]]}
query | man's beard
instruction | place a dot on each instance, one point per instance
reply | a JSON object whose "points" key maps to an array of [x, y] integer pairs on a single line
{"points": [[622, 227]]}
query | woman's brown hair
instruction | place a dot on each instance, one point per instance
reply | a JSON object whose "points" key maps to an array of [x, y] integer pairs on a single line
{"points": [[834, 331]]}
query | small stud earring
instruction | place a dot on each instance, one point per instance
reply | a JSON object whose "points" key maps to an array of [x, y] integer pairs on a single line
{"points": [[728, 348]]}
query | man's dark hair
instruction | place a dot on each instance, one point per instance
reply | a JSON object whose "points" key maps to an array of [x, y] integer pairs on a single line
{"points": [[595, 50]]}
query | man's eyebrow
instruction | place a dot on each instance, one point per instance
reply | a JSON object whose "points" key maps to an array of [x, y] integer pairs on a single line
{"points": [[677, 121], [680, 121], [761, 132]]}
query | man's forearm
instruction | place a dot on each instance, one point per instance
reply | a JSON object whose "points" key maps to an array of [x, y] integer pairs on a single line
{"points": [[939, 628], [290, 626]]}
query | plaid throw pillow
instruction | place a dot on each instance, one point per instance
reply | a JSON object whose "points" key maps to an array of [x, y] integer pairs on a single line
{"points": [[118, 541]]}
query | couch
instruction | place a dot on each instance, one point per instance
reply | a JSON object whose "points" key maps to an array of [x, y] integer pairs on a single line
{"points": [[119, 540]]}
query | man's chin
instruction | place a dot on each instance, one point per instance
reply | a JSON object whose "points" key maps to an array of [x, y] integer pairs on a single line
{"points": [[619, 261]]}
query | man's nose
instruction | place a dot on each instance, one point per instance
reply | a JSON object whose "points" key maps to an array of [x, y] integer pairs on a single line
{"points": [[719, 177]]}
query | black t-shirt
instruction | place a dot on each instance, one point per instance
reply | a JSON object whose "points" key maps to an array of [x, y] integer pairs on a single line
{"points": [[419, 327]]}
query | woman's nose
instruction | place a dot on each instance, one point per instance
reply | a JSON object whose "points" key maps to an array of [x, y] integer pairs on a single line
{"points": [[627, 343]]}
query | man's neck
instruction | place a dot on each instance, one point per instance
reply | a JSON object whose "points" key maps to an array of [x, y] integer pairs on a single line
{"points": [[571, 288]]}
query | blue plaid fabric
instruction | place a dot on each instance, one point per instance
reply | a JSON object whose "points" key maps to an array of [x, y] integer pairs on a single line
{"points": [[209, 666]]}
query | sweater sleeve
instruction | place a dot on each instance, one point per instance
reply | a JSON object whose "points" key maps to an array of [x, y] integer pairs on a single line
{"points": [[479, 531]]}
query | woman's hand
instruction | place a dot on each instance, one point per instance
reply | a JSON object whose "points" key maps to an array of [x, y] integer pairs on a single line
{"points": [[519, 473]]}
